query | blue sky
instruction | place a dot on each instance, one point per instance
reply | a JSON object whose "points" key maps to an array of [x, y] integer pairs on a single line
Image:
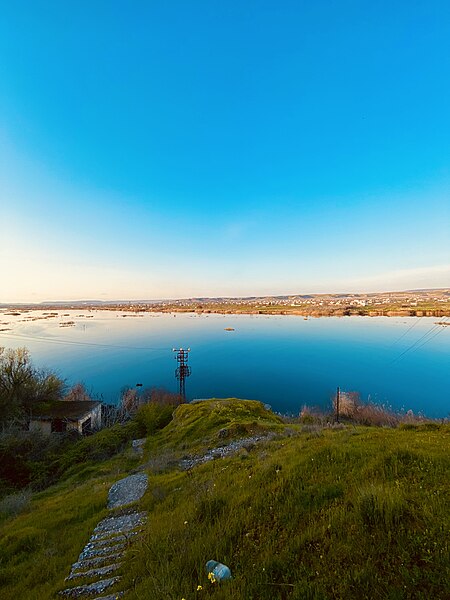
{"points": [[177, 149]]}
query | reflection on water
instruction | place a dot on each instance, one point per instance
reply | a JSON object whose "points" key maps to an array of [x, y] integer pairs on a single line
{"points": [[286, 361]]}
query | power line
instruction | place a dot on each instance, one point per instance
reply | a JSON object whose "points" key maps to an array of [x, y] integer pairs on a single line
{"points": [[436, 333], [426, 334], [74, 342], [406, 332]]}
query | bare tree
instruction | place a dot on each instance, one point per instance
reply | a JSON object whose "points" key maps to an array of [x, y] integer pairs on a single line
{"points": [[22, 385], [77, 393], [348, 403], [129, 400]]}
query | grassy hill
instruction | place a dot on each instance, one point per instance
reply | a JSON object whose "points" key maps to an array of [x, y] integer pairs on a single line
{"points": [[305, 512]]}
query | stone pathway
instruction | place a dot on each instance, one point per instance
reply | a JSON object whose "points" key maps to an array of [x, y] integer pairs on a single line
{"points": [[223, 451], [102, 555]]}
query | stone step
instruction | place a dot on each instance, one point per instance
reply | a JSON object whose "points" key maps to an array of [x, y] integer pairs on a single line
{"points": [[89, 589], [121, 523], [104, 542], [126, 535], [97, 572], [105, 551], [96, 561], [111, 596]]}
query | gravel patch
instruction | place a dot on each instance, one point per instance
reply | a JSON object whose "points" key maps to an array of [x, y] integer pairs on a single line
{"points": [[223, 451]]}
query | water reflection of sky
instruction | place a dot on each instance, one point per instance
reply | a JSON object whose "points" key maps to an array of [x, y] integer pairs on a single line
{"points": [[286, 361]]}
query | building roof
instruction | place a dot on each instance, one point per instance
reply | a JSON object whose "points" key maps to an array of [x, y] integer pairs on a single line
{"points": [[64, 409]]}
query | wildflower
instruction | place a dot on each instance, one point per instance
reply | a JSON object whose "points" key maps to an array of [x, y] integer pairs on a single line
{"points": [[199, 587], [212, 577], [185, 522]]}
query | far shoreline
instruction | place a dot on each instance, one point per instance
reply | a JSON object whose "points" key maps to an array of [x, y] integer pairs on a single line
{"points": [[306, 313], [407, 303]]}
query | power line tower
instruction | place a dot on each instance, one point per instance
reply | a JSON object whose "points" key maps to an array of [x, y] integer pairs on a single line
{"points": [[182, 371]]}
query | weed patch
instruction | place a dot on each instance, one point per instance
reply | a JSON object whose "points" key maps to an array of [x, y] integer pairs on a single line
{"points": [[382, 507]]}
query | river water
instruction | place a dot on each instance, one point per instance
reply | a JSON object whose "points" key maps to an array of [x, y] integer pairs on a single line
{"points": [[285, 361]]}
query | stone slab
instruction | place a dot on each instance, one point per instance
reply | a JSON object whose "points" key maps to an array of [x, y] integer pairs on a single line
{"points": [[90, 589], [127, 490]]}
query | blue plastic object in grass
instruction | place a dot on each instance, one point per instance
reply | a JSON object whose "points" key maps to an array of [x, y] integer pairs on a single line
{"points": [[217, 572]]}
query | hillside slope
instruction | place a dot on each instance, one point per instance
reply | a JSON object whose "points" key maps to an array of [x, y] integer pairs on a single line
{"points": [[297, 512]]}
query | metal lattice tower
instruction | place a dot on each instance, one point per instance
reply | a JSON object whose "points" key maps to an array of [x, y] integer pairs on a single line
{"points": [[183, 370]]}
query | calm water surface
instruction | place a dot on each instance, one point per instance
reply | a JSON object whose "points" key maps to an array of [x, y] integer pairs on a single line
{"points": [[286, 361]]}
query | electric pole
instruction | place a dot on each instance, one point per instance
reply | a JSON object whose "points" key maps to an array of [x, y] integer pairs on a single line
{"points": [[182, 371], [338, 393]]}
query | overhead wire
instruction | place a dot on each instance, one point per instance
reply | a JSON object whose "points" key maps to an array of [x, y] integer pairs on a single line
{"points": [[406, 332], [430, 334], [435, 334], [75, 342]]}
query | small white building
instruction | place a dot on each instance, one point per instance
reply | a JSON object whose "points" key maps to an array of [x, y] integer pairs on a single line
{"points": [[64, 415]]}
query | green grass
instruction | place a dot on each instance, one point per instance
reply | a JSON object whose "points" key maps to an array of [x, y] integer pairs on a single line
{"points": [[196, 426], [355, 512], [38, 546]]}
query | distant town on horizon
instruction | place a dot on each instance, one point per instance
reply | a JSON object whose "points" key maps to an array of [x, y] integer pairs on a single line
{"points": [[417, 303], [439, 292]]}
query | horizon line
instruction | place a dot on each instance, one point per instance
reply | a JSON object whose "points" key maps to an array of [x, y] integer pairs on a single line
{"points": [[156, 300]]}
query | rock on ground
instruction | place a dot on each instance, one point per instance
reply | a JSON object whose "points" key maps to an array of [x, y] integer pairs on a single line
{"points": [[128, 490]]}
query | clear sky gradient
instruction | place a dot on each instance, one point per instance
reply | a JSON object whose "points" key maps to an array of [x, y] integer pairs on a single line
{"points": [[204, 148]]}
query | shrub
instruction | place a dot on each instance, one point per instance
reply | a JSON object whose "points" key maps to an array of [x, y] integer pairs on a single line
{"points": [[27, 457], [100, 446], [156, 410], [348, 403], [14, 504], [32, 458], [152, 417], [375, 415], [306, 417]]}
